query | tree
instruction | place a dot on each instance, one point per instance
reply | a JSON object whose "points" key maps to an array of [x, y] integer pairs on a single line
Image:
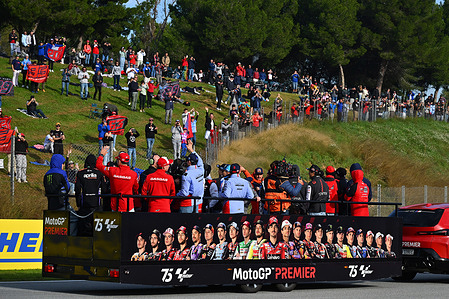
{"points": [[330, 31]]}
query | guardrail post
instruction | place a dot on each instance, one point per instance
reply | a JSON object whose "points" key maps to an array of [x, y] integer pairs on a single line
{"points": [[379, 199], [403, 195], [11, 171], [445, 194], [425, 193]]}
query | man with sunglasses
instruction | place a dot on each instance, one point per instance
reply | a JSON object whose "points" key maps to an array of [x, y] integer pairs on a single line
{"points": [[58, 136]]}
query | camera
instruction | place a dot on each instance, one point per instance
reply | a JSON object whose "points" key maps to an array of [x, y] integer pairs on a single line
{"points": [[284, 169], [177, 168]]}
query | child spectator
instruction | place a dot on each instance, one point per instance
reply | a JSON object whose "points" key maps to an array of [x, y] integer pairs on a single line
{"points": [[184, 142]]}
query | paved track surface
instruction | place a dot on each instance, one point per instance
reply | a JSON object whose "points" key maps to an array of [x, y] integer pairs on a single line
{"points": [[423, 286]]}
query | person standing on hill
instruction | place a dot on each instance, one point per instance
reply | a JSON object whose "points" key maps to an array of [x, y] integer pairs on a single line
{"points": [[58, 137], [84, 76], [150, 132], [131, 136], [98, 81]]}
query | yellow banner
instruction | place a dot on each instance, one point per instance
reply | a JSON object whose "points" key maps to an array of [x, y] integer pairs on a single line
{"points": [[20, 244]]}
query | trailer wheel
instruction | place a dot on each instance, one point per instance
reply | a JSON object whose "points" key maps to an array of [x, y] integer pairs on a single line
{"points": [[406, 276], [251, 287], [285, 287]]}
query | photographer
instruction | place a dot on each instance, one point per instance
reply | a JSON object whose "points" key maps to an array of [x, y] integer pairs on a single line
{"points": [[176, 132], [32, 110], [278, 187]]}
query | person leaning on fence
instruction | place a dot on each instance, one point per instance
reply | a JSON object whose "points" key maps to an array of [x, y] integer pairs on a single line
{"points": [[122, 179], [159, 183], [192, 183], [90, 183], [103, 128], [330, 180], [317, 190], [57, 187]]}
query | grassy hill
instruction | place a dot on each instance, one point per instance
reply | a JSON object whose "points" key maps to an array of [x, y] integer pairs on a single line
{"points": [[394, 152]]}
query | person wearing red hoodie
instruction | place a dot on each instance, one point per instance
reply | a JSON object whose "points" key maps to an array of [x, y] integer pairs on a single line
{"points": [[123, 181], [358, 191], [151, 88], [159, 183], [330, 180]]}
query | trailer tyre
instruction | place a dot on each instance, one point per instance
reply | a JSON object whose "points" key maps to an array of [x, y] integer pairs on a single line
{"points": [[406, 276], [285, 287], [251, 287]]}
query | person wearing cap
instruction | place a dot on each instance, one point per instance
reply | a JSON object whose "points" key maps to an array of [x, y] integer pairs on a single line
{"points": [[197, 247], [273, 249], [208, 250], [16, 67], [87, 50], [256, 181], [216, 186], [331, 182], [358, 191], [151, 169], [352, 248], [317, 190], [236, 187], [102, 128], [176, 139], [58, 136], [141, 254], [379, 243], [151, 88], [342, 249], [122, 179], [320, 248], [388, 244], [146, 71], [308, 245], [183, 251], [371, 250], [21, 158], [95, 51], [231, 251], [169, 252], [32, 108], [192, 183], [254, 249], [286, 231], [362, 252], [222, 246], [159, 183], [330, 246], [244, 246], [154, 252]]}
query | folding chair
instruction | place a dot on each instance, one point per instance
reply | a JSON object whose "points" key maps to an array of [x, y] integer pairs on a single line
{"points": [[94, 112]]}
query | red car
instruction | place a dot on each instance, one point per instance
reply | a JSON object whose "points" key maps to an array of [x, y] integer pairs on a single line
{"points": [[425, 240]]}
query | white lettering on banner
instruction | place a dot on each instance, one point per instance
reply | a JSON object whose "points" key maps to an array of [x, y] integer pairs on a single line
{"points": [[55, 221], [362, 270], [411, 244], [180, 274], [251, 274], [108, 223], [124, 177]]}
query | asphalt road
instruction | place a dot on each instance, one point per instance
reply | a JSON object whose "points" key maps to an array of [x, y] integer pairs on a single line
{"points": [[423, 286]]}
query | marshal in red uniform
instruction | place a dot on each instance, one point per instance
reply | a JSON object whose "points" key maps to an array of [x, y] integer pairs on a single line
{"points": [[159, 183], [123, 181]]}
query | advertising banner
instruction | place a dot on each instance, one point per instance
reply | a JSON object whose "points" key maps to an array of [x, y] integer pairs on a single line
{"points": [[20, 244], [257, 248]]}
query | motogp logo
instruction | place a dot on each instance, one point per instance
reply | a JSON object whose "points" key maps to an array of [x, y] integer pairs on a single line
{"points": [[180, 274], [108, 224], [362, 270]]}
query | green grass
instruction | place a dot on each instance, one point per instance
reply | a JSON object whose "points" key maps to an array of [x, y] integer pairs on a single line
{"points": [[22, 275]]}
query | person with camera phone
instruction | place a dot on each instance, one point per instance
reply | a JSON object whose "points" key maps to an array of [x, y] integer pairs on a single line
{"points": [[279, 188], [131, 136]]}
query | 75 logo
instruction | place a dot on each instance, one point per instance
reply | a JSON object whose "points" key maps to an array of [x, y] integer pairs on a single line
{"points": [[362, 270], [180, 274]]}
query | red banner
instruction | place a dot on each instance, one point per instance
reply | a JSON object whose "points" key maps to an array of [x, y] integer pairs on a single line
{"points": [[6, 87], [5, 122], [54, 52], [117, 123], [37, 73], [5, 140]]}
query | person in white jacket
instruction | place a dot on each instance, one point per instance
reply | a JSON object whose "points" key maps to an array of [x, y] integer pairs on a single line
{"points": [[83, 76], [140, 55]]}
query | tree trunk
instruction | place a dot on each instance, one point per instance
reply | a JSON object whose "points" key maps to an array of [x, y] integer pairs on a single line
{"points": [[435, 95], [342, 75], [80, 43], [35, 27], [382, 70]]}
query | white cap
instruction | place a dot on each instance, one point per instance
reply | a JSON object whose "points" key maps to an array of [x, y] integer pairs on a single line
{"points": [[379, 234], [389, 236], [286, 223]]}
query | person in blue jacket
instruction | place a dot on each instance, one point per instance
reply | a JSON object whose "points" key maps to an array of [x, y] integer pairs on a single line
{"points": [[103, 128], [236, 187], [57, 186]]}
